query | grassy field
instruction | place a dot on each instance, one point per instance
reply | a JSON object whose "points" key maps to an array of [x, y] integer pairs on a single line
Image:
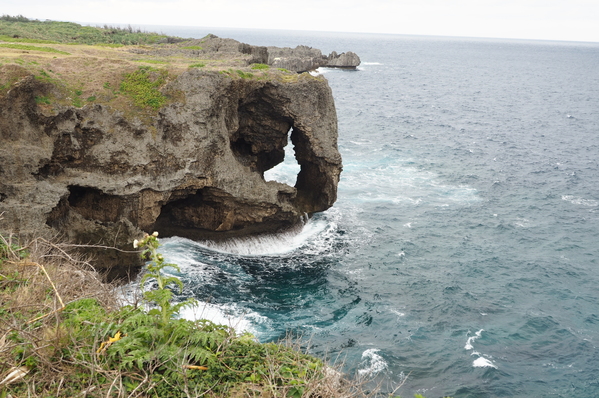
{"points": [[21, 29], [124, 68]]}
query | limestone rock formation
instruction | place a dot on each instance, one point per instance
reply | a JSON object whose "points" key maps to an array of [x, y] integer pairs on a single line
{"points": [[210, 47], [348, 60], [298, 59], [98, 175], [304, 58]]}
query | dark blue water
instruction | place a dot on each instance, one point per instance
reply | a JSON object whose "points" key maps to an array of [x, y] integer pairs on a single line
{"points": [[463, 249]]}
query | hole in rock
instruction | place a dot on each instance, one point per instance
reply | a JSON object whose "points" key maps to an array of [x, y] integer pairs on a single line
{"points": [[93, 204], [285, 172]]}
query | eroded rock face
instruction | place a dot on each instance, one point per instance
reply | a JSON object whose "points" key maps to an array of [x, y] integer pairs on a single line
{"points": [[304, 58], [195, 170]]}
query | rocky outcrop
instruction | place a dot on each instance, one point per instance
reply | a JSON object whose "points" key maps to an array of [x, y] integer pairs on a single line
{"points": [[304, 58], [97, 175], [210, 47], [347, 60], [298, 59]]}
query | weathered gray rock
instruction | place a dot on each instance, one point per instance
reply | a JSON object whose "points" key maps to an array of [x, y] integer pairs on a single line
{"points": [[304, 58], [298, 59], [195, 170], [347, 60]]}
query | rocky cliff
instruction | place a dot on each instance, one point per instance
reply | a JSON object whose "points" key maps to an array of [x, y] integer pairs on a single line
{"points": [[101, 174], [304, 58], [298, 59]]}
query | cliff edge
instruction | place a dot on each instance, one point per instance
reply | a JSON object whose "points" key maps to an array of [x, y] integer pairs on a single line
{"points": [[99, 146]]}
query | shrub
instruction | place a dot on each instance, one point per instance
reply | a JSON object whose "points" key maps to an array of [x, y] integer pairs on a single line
{"points": [[142, 86]]}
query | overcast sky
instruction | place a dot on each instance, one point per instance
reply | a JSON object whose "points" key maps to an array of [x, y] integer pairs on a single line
{"points": [[576, 20]]}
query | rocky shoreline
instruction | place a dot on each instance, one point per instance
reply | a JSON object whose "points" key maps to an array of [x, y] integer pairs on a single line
{"points": [[105, 171]]}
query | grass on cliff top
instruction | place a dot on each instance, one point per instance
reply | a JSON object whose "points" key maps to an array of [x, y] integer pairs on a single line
{"points": [[84, 66], [24, 29], [33, 48], [63, 333]]}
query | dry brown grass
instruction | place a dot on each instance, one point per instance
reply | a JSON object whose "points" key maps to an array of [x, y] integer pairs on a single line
{"points": [[33, 291], [98, 70]]}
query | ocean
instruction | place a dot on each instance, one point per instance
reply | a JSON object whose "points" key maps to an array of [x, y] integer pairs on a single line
{"points": [[461, 258]]}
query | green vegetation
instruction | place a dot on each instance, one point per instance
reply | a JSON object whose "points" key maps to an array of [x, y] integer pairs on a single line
{"points": [[111, 45], [192, 48], [244, 75], [33, 48], [42, 100], [142, 87], [10, 249], [22, 29], [23, 40], [198, 65], [260, 66], [55, 343], [152, 61]]}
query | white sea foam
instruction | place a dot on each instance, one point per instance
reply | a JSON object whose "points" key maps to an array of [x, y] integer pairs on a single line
{"points": [[230, 315], [319, 71], [577, 200], [269, 245], [371, 63], [398, 313], [373, 363], [482, 362], [471, 339]]}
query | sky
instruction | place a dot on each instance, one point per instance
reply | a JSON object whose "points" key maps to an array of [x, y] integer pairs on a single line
{"points": [[571, 20]]}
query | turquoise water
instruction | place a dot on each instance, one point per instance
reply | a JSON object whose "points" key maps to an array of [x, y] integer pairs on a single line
{"points": [[463, 249]]}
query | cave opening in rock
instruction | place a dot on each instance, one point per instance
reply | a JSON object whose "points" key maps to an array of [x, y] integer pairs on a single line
{"points": [[285, 172]]}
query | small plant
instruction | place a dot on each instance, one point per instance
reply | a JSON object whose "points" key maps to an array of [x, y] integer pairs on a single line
{"points": [[91, 98], [42, 100], [198, 65], [161, 297], [10, 249], [192, 48], [244, 75]]}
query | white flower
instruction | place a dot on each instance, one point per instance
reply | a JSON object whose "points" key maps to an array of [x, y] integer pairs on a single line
{"points": [[135, 244], [155, 234]]}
